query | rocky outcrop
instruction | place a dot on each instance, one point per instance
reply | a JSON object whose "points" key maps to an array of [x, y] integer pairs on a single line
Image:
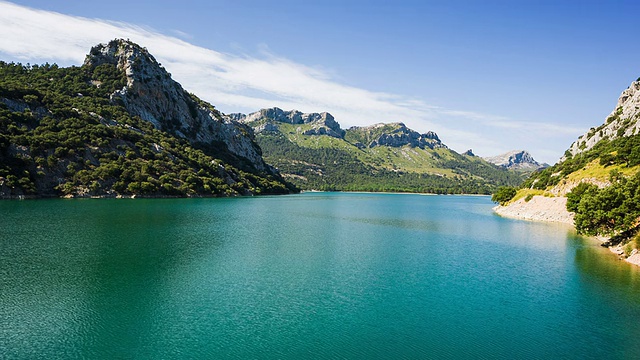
{"points": [[516, 160], [151, 94], [469, 153], [397, 135], [323, 123], [624, 120]]}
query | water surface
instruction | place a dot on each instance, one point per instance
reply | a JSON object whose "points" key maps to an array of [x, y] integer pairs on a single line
{"points": [[320, 275]]}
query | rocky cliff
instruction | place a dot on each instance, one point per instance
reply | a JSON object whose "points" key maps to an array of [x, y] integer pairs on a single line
{"points": [[396, 135], [516, 160], [151, 94], [624, 120], [391, 134], [267, 119]]}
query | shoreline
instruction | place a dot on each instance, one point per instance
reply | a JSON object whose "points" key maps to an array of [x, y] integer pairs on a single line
{"points": [[389, 192], [553, 210], [539, 208]]}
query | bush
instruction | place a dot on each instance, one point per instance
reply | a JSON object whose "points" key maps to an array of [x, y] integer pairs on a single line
{"points": [[504, 194], [576, 194]]}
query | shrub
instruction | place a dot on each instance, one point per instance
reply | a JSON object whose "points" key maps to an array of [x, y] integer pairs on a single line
{"points": [[503, 195], [576, 194]]}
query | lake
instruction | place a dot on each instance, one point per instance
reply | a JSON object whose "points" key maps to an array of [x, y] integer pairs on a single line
{"points": [[315, 275]]}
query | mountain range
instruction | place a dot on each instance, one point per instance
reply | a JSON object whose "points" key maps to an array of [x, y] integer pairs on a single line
{"points": [[314, 152]]}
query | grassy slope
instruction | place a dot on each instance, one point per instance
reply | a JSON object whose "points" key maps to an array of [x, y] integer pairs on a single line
{"points": [[440, 168]]}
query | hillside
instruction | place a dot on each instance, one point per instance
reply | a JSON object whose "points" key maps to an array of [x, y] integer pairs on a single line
{"points": [[599, 176], [314, 152], [120, 126]]}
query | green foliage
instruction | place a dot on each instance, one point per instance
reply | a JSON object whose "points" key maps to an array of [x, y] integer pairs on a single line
{"points": [[338, 169], [607, 211], [623, 151], [326, 163], [576, 194], [61, 134], [504, 194], [527, 198]]}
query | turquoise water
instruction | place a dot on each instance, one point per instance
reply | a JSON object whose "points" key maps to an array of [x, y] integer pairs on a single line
{"points": [[321, 275]]}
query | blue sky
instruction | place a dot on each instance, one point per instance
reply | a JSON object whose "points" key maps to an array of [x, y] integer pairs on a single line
{"points": [[488, 75]]}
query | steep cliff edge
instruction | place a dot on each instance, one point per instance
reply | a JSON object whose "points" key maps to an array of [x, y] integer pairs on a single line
{"points": [[624, 120], [154, 96]]}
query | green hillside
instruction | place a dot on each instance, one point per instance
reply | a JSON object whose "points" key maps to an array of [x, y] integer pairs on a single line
{"points": [[350, 163], [62, 133]]}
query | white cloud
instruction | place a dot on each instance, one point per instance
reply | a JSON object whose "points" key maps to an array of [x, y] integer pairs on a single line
{"points": [[242, 83]]}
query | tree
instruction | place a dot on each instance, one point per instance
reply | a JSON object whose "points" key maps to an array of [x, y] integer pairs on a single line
{"points": [[576, 194], [504, 194]]}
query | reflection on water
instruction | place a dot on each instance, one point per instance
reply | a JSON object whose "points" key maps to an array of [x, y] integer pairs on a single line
{"points": [[315, 275]]}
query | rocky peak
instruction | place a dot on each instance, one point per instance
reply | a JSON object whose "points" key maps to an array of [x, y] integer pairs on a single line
{"points": [[152, 95], [624, 120], [323, 123], [398, 135], [517, 160]]}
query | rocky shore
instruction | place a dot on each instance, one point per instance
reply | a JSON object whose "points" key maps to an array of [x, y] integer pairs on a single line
{"points": [[539, 208]]}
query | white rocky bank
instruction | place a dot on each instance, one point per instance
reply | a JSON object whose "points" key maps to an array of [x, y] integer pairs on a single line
{"points": [[539, 208]]}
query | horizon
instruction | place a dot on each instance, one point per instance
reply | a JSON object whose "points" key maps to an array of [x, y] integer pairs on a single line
{"points": [[492, 77]]}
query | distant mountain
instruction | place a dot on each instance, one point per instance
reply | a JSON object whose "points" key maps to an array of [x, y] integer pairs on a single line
{"points": [[120, 126], [314, 152], [516, 160], [393, 135]]}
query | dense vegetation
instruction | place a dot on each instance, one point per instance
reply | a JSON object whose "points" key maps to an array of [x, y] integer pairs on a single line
{"points": [[504, 194], [613, 210], [60, 134], [622, 151], [331, 168]]}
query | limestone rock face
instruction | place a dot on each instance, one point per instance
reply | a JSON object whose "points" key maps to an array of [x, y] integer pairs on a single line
{"points": [[517, 160], [323, 123], [152, 95], [391, 134], [624, 120], [398, 135]]}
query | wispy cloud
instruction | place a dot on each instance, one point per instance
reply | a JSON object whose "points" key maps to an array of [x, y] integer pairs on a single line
{"points": [[242, 83]]}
